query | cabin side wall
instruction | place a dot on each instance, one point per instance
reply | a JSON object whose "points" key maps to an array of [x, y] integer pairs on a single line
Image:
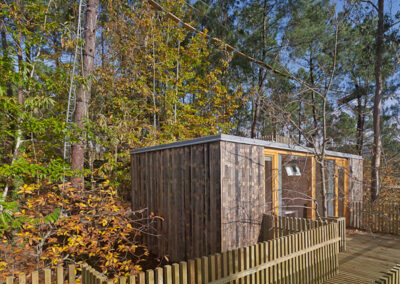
{"points": [[182, 185], [242, 194], [356, 180]]}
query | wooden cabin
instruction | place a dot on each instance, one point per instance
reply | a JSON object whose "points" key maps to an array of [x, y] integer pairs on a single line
{"points": [[212, 191]]}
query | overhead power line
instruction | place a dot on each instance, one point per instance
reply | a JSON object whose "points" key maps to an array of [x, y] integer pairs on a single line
{"points": [[218, 41], [229, 47]]}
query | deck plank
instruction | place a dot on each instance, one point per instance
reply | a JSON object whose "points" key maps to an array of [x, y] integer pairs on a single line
{"points": [[368, 257]]}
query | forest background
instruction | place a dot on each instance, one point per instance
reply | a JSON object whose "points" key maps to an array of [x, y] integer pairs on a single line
{"points": [[83, 82]]}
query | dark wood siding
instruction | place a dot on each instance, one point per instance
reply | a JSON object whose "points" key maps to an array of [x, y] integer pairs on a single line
{"points": [[296, 189], [356, 180], [242, 193], [182, 185]]}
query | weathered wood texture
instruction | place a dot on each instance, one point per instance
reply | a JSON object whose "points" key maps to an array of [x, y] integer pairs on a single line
{"points": [[182, 185], [390, 277], [368, 257], [356, 180], [59, 275], [242, 194], [379, 218], [296, 190], [278, 226], [306, 257]]}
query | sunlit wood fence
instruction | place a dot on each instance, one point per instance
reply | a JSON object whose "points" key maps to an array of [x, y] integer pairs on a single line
{"points": [[309, 256], [59, 275], [390, 277], [380, 218], [277, 226]]}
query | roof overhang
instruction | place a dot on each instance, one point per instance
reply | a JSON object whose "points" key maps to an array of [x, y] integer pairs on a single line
{"points": [[242, 140]]}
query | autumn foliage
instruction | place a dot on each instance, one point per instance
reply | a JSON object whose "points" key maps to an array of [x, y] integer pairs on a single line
{"points": [[153, 82], [86, 226]]}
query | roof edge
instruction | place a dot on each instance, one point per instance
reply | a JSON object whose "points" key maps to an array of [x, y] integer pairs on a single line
{"points": [[200, 140], [242, 140]]}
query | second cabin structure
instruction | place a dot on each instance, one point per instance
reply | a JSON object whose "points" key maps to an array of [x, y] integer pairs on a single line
{"points": [[213, 191]]}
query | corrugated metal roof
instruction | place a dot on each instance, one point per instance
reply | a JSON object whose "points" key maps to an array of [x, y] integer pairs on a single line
{"points": [[242, 140]]}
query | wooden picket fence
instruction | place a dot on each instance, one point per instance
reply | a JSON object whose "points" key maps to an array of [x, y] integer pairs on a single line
{"points": [[379, 218], [47, 276], [305, 257], [61, 275], [309, 256], [277, 226], [390, 277]]}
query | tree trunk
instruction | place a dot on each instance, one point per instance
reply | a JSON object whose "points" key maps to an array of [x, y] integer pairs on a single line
{"points": [[261, 78], [376, 158], [313, 100], [4, 45], [257, 107], [83, 93], [299, 132], [360, 122]]}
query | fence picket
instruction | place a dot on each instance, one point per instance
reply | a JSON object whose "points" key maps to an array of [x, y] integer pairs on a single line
{"points": [[183, 272], [172, 273], [142, 277], [132, 279], [191, 266], [236, 264], [167, 274], [35, 277], [212, 267], [47, 276], [308, 256], [378, 218], [122, 280], [22, 278], [158, 275], [60, 275], [198, 269], [204, 269], [149, 276]]}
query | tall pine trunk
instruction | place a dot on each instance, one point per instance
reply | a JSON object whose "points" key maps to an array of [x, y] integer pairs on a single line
{"points": [[377, 147], [262, 75], [83, 93]]}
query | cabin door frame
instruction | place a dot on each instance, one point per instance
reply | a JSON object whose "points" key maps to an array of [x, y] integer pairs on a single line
{"points": [[311, 212]]}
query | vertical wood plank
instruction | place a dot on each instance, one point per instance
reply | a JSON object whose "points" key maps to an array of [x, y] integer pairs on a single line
{"points": [[60, 274], [142, 277], [22, 278], [35, 277], [158, 275], [191, 266], [71, 274], [218, 262], [212, 267], [261, 247], [150, 276], [242, 264], [132, 279], [47, 276], [198, 269], [167, 274], [122, 280], [183, 272], [204, 269], [175, 273]]}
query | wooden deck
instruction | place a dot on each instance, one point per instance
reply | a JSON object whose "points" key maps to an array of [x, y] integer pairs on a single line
{"points": [[367, 258]]}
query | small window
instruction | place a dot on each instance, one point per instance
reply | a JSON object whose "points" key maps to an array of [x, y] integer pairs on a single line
{"points": [[292, 170]]}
